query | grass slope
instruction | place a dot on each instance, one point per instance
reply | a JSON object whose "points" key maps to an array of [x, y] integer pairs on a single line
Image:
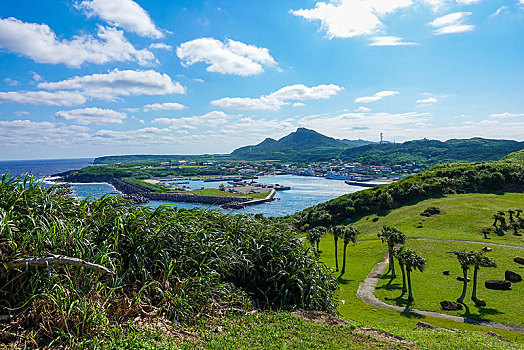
{"points": [[462, 217], [274, 330]]}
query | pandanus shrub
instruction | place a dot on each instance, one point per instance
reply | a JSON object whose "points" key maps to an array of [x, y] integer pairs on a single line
{"points": [[176, 263]]}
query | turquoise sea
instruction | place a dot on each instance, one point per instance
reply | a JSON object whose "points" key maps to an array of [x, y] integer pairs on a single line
{"points": [[305, 191]]}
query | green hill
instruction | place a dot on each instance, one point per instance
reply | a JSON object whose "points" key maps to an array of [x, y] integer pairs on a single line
{"points": [[440, 180], [308, 145], [426, 153], [305, 145], [301, 145]]}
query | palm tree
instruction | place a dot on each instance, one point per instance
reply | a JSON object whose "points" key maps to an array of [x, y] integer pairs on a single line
{"points": [[336, 235], [486, 232], [502, 219], [515, 226], [465, 260], [348, 234], [518, 211], [313, 236], [478, 260], [511, 212], [495, 218], [392, 236], [415, 262], [401, 255]]}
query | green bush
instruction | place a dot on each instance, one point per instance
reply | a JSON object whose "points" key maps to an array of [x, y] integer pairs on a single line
{"points": [[182, 264]]}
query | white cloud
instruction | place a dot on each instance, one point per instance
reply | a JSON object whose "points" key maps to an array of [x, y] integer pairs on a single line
{"points": [[160, 46], [164, 106], [36, 76], [468, 2], [452, 23], [40, 43], [366, 125], [389, 41], [363, 109], [427, 100], [499, 11], [46, 98], [351, 18], [11, 82], [19, 132], [119, 83], [96, 116], [279, 98], [142, 136], [376, 97], [231, 57], [507, 115], [211, 119], [435, 5], [298, 104], [125, 14], [21, 113]]}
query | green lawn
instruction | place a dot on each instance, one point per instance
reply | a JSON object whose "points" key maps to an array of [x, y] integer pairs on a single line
{"points": [[360, 260], [431, 286], [462, 217], [218, 193], [281, 330]]}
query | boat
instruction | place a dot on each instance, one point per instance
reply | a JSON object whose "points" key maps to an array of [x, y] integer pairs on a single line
{"points": [[333, 175]]}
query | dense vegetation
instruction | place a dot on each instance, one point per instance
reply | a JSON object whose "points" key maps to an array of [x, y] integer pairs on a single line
{"points": [[438, 181], [426, 153], [109, 172], [299, 146], [155, 159], [308, 145], [179, 264]]}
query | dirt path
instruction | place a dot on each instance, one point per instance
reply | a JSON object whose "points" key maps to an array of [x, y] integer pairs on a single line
{"points": [[366, 293]]}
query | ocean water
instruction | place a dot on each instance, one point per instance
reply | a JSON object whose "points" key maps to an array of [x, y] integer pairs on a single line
{"points": [[41, 168], [305, 191]]}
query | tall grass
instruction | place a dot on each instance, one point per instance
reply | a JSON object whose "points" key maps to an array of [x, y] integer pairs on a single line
{"points": [[180, 264]]}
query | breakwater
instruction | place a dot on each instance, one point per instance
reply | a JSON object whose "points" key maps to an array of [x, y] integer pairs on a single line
{"points": [[141, 195]]}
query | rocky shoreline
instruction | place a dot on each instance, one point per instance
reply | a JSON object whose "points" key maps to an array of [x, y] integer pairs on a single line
{"points": [[141, 195]]}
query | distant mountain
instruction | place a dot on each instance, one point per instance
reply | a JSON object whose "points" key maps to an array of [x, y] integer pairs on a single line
{"points": [[426, 153], [306, 145], [357, 143], [301, 145]]}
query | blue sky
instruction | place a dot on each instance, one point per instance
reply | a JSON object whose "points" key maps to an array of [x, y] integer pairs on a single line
{"points": [[97, 77]]}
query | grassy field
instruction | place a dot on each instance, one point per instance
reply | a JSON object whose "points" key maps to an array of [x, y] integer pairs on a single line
{"points": [[462, 217], [360, 260], [218, 193], [431, 286], [264, 330], [200, 192], [281, 330]]}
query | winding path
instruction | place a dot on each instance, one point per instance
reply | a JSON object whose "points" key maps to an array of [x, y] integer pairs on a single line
{"points": [[366, 293]]}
